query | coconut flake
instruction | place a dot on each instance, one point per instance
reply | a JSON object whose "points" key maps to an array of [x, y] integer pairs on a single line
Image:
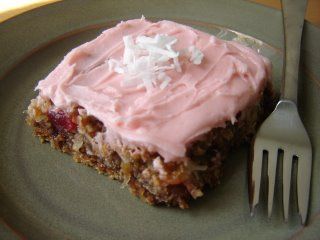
{"points": [[165, 83], [146, 60], [177, 65], [119, 70], [158, 166], [233, 120], [112, 63], [129, 54], [196, 55]]}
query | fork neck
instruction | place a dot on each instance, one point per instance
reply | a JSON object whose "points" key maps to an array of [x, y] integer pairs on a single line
{"points": [[293, 19]]}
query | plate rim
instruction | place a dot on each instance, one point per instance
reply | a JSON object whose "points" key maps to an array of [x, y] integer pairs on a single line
{"points": [[38, 48]]}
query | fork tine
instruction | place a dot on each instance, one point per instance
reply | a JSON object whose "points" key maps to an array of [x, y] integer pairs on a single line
{"points": [[272, 169], [303, 181], [256, 175], [287, 168]]}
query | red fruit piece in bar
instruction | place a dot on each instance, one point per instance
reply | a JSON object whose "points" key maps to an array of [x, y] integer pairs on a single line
{"points": [[62, 121]]}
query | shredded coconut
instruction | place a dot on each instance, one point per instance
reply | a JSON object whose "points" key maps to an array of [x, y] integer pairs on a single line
{"points": [[196, 55], [158, 166], [147, 59], [233, 120]]}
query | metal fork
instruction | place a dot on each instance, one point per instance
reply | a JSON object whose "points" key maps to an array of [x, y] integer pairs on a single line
{"points": [[283, 129]]}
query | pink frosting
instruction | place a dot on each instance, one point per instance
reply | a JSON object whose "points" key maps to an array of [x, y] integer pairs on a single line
{"points": [[230, 78]]}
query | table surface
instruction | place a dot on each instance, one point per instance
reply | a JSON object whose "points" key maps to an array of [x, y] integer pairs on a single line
{"points": [[12, 8]]}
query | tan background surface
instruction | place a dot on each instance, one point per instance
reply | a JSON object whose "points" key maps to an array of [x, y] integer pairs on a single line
{"points": [[313, 10], [10, 8]]}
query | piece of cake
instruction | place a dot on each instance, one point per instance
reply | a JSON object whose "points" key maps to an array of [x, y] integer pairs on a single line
{"points": [[156, 106]]}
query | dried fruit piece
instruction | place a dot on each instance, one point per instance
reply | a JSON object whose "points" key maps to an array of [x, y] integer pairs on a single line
{"points": [[62, 121]]}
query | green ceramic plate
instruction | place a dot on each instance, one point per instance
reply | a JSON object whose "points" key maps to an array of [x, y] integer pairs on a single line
{"points": [[45, 195]]}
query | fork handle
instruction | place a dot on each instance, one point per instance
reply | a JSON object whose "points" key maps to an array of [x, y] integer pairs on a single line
{"points": [[293, 12]]}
